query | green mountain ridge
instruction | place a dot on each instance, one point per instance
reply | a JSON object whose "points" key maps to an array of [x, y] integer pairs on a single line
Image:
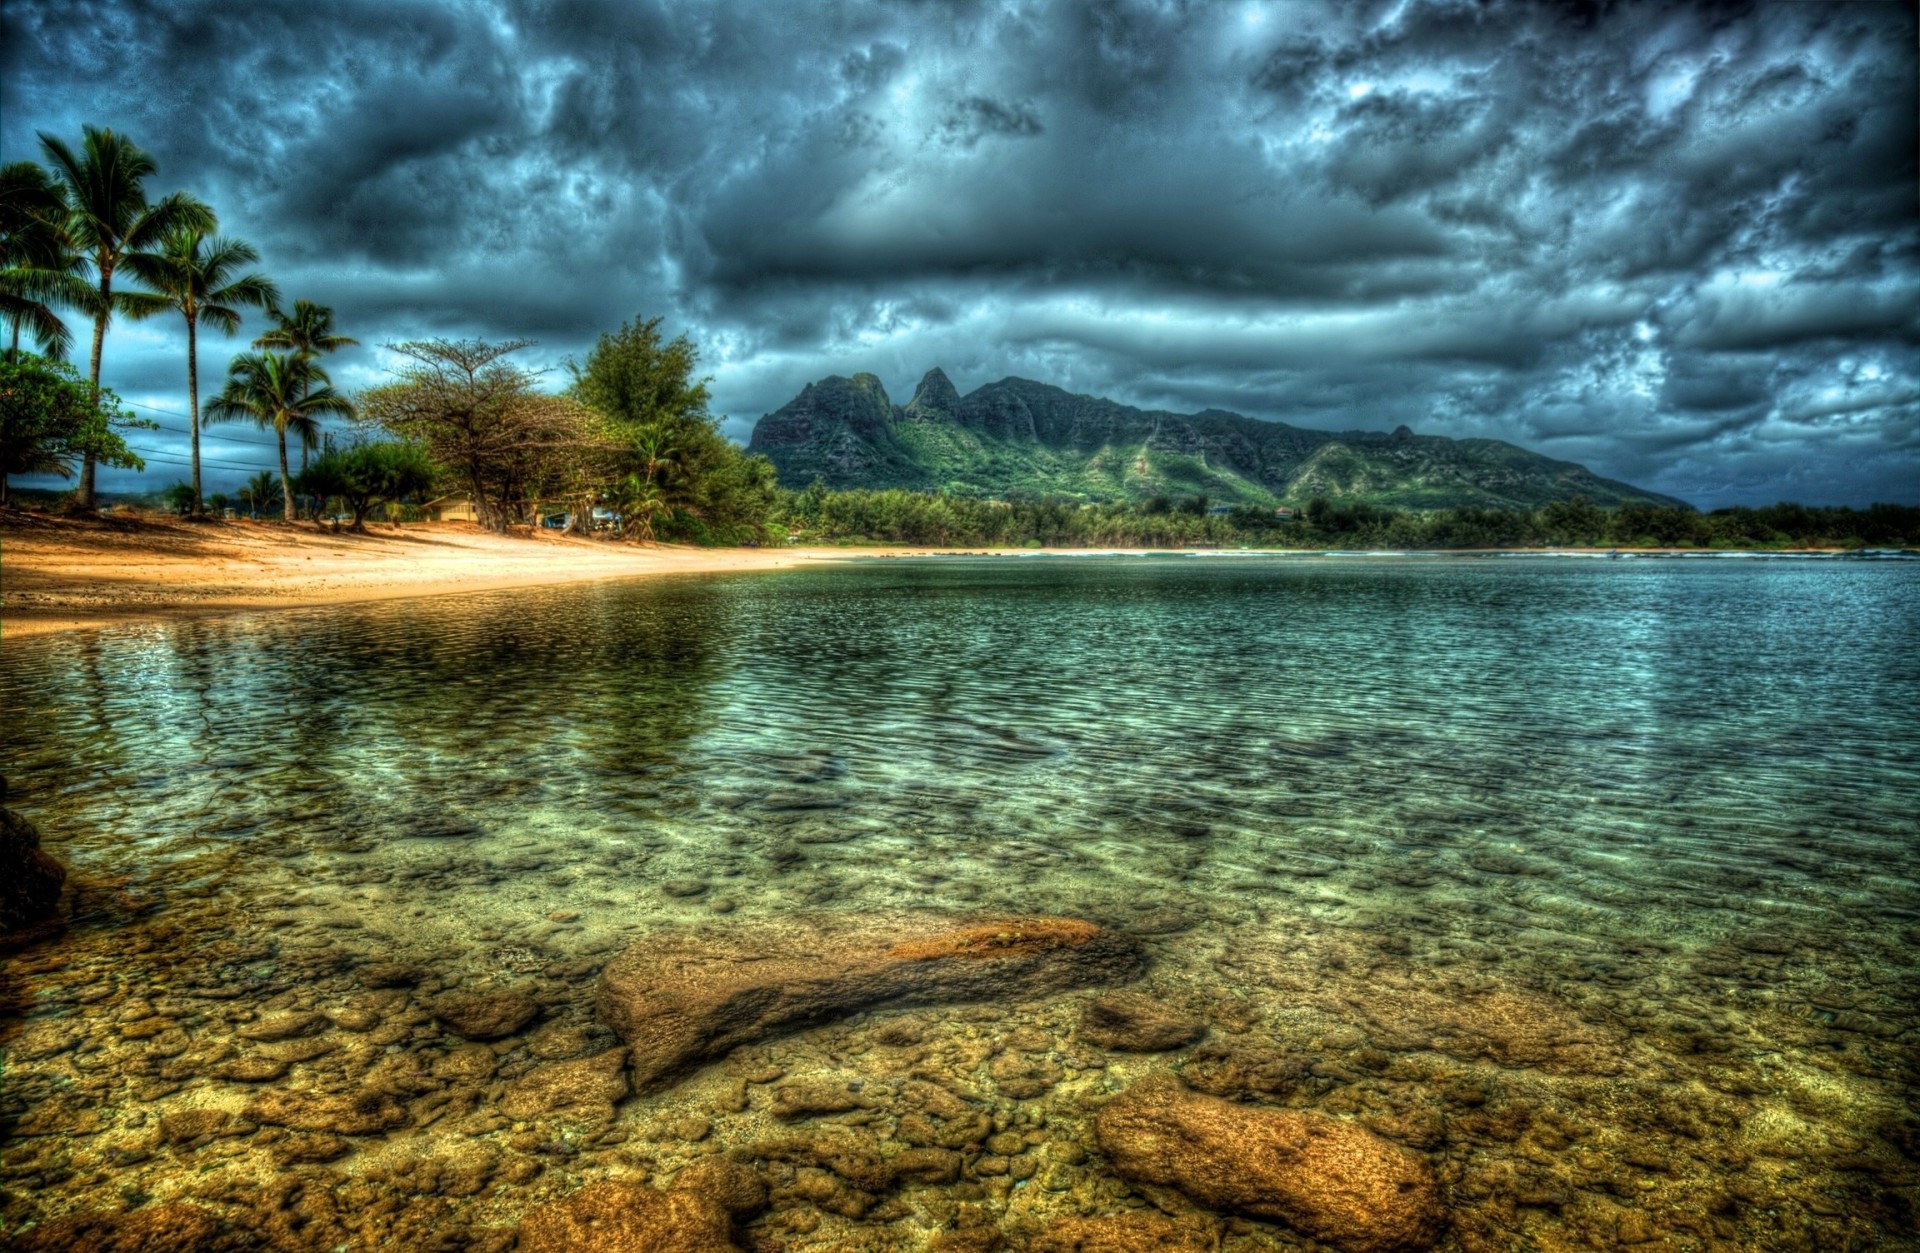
{"points": [[1019, 438]]}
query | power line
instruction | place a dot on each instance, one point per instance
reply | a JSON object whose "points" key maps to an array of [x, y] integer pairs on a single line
{"points": [[166, 456], [188, 430]]}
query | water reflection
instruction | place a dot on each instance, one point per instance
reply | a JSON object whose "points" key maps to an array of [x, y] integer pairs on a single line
{"points": [[1578, 838]]}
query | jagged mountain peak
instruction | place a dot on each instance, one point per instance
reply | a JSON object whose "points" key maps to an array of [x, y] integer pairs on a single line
{"points": [[1020, 437], [934, 399]]}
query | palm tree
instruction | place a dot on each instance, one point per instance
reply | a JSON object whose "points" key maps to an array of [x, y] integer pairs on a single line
{"points": [[306, 332], [195, 275], [278, 390], [108, 218], [37, 261], [261, 493]]}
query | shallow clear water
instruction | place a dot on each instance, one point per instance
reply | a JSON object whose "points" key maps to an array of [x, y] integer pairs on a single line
{"points": [[1624, 851]]}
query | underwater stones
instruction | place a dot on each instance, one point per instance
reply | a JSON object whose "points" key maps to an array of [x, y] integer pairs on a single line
{"points": [[389, 975], [1323, 1177], [43, 1039], [186, 1126], [678, 999], [590, 1086], [367, 1112], [1023, 1077], [1141, 1232], [169, 1228], [485, 1015], [30, 880], [695, 1215], [282, 1026], [306, 1150], [1224, 1070], [814, 1097], [251, 1070], [1132, 1023]]}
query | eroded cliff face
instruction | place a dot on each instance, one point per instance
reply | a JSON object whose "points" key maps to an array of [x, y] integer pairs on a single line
{"points": [[1019, 437]]}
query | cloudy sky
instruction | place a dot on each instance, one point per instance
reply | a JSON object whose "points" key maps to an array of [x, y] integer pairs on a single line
{"points": [[1677, 243]]}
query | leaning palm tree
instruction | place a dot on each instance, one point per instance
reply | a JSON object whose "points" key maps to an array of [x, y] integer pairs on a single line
{"points": [[108, 218], [38, 266], [194, 274], [282, 391], [306, 332]]}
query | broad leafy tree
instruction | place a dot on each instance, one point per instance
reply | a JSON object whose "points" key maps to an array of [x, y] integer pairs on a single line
{"points": [[367, 474], [280, 392], [197, 276], [481, 416], [109, 218], [672, 465], [51, 418]]}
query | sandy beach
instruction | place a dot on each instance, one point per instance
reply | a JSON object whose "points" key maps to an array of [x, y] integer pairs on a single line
{"points": [[60, 574]]}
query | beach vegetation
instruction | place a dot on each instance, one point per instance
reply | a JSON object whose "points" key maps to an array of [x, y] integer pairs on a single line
{"points": [[261, 495], [676, 476], [109, 218], [367, 474], [51, 418], [39, 267], [281, 392], [896, 516], [197, 276], [482, 417]]}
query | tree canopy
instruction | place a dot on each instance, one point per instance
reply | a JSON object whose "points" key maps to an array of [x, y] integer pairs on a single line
{"points": [[366, 474], [482, 417], [50, 418]]}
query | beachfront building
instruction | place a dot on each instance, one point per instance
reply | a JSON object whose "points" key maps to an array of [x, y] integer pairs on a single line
{"points": [[456, 508]]}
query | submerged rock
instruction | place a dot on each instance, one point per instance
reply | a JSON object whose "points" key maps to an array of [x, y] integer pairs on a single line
{"points": [[30, 880], [1323, 1177], [352, 1114], [681, 999], [695, 1215], [154, 1229], [589, 1087], [485, 1015], [1142, 1232], [1137, 1024]]}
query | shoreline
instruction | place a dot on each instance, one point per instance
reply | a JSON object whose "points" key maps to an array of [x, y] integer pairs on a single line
{"points": [[62, 574], [59, 575]]}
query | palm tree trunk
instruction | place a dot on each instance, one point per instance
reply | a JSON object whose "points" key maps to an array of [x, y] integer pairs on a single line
{"points": [[286, 480], [193, 412], [85, 490]]}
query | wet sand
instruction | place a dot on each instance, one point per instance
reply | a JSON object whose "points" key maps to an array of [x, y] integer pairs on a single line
{"points": [[59, 574]]}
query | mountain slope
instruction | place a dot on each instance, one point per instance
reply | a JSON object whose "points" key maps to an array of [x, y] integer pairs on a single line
{"points": [[1017, 437]]}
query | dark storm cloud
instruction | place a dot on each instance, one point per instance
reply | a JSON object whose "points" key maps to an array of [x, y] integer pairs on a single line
{"points": [[1676, 242]]}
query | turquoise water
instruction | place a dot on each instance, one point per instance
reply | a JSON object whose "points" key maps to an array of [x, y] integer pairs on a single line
{"points": [[1547, 868]]}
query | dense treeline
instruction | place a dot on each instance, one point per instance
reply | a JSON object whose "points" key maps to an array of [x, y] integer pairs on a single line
{"points": [[903, 517]]}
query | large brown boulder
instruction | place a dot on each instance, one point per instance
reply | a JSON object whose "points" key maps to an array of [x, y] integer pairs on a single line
{"points": [[695, 1215], [30, 881], [683, 998], [1323, 1177]]}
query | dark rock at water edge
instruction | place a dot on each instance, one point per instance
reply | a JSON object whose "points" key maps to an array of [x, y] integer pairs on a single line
{"points": [[1319, 1175], [30, 880], [680, 999]]}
